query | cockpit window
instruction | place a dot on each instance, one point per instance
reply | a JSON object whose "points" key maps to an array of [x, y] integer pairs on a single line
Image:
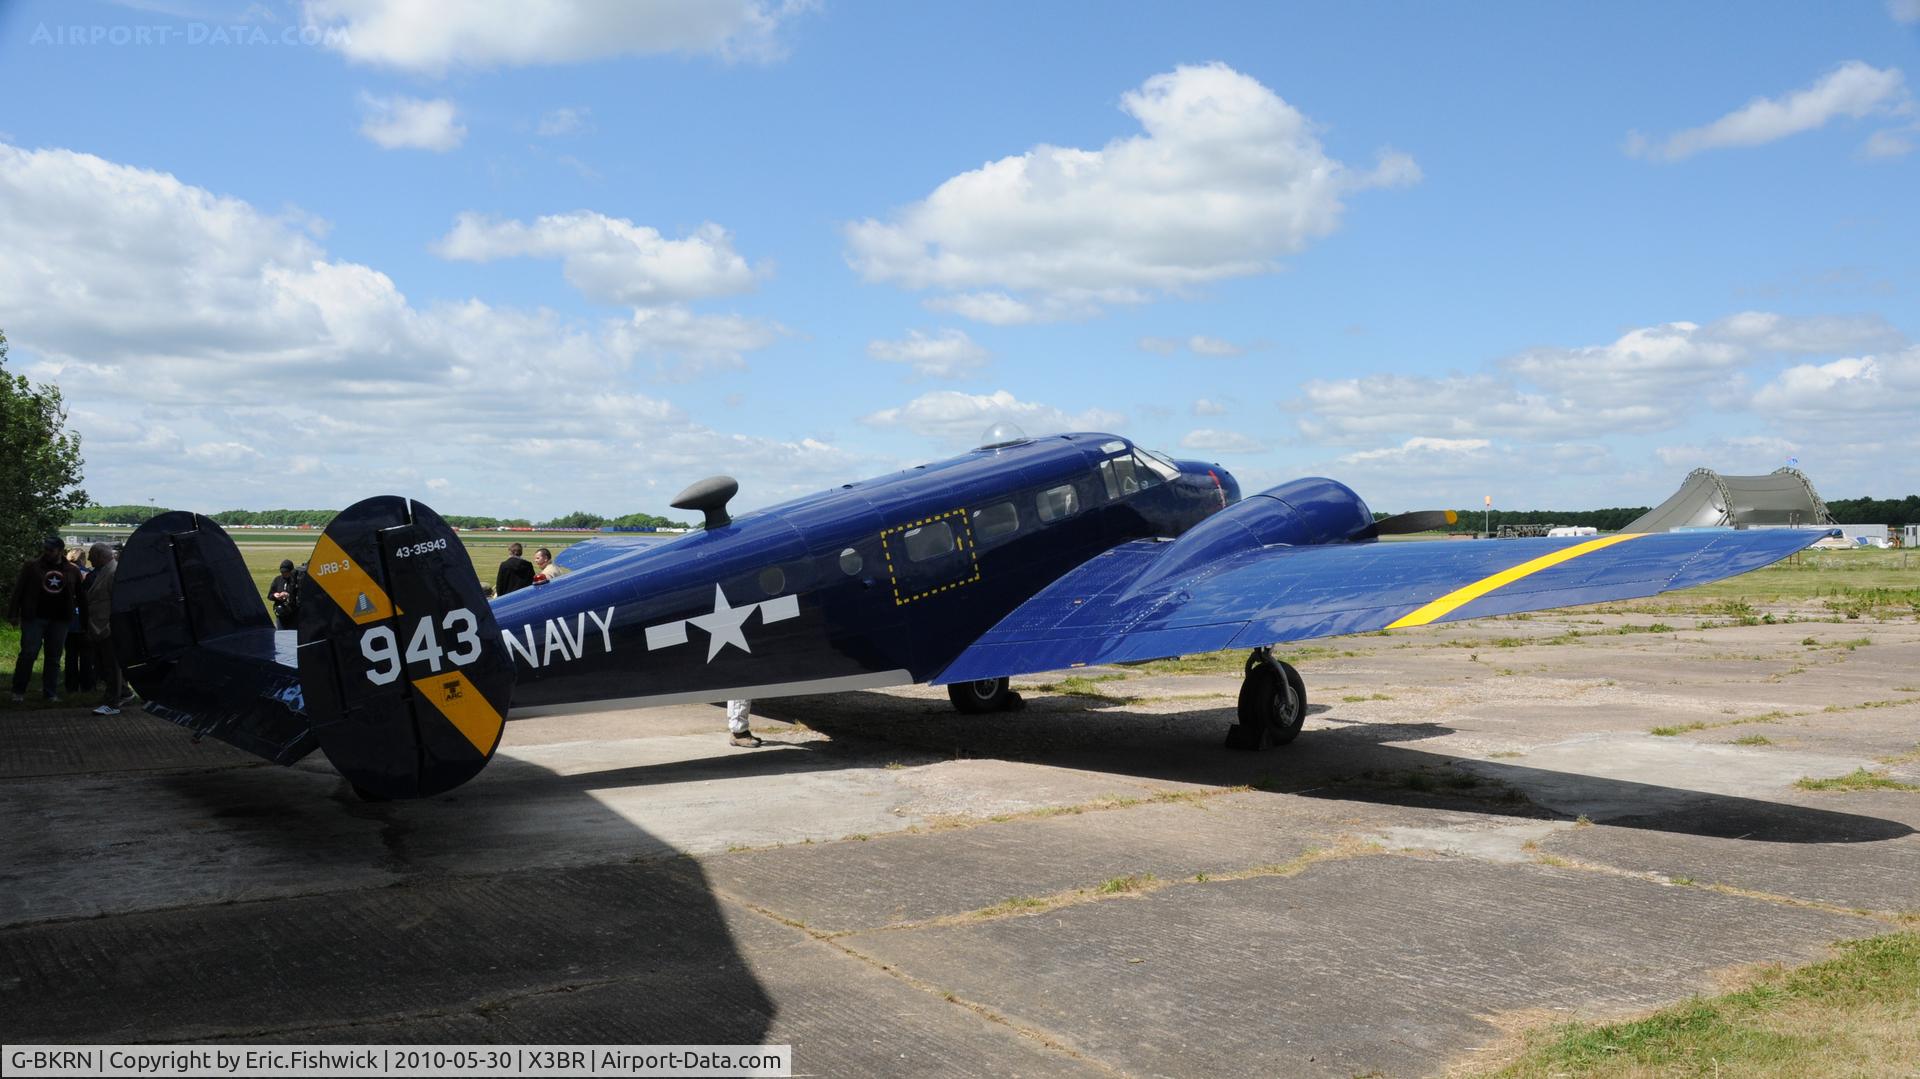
{"points": [[1126, 474], [1117, 473], [1161, 464]]}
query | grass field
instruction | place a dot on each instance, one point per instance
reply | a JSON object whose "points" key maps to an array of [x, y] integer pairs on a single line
{"points": [[1855, 1014]]}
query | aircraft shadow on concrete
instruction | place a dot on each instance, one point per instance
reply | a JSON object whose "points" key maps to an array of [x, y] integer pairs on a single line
{"points": [[1350, 762], [419, 926]]}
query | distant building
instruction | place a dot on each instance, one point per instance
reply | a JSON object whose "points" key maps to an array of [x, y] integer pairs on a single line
{"points": [[1784, 498]]}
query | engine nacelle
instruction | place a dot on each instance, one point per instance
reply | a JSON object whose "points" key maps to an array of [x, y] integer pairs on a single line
{"points": [[1299, 512]]}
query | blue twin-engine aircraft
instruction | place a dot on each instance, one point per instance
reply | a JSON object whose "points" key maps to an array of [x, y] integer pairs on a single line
{"points": [[1022, 555]]}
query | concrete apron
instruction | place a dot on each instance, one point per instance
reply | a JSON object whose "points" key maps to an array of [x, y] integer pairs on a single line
{"points": [[1082, 886]]}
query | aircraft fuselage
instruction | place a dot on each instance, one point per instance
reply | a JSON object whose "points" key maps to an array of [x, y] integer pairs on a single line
{"points": [[876, 583]]}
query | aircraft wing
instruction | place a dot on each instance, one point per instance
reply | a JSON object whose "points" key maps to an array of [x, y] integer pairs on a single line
{"points": [[1103, 613], [592, 552]]}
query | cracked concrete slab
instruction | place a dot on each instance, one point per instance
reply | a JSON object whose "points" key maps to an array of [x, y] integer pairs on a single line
{"points": [[1374, 965]]}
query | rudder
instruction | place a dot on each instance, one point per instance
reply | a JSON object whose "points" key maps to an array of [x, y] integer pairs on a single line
{"points": [[407, 682]]}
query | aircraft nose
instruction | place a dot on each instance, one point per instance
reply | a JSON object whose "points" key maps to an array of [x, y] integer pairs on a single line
{"points": [[1227, 484]]}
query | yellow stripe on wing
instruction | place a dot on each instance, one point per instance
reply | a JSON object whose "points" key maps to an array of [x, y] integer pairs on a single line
{"points": [[1460, 597]]}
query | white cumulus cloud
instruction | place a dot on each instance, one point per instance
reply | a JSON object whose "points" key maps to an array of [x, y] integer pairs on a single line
{"points": [[1647, 379], [431, 36], [1206, 407], [1212, 440], [1884, 387], [610, 259], [1733, 455], [1422, 450], [949, 353], [1854, 89], [213, 327], [959, 419], [1224, 181], [407, 123]]}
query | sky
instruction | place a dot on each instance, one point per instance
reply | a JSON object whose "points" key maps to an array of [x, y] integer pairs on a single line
{"points": [[521, 259]]}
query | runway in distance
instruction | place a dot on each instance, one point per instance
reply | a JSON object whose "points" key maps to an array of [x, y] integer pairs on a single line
{"points": [[1025, 554]]}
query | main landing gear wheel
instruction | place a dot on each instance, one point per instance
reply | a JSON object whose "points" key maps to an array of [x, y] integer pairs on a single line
{"points": [[984, 695], [1273, 704]]}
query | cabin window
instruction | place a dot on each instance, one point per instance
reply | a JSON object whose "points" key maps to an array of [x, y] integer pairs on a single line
{"points": [[996, 520], [851, 562], [1057, 502], [929, 541], [773, 580]]}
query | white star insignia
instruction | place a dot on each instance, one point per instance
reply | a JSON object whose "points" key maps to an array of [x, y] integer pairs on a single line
{"points": [[725, 625]]}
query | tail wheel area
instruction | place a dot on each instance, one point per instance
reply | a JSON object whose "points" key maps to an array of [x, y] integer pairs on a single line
{"points": [[983, 695], [1272, 706]]}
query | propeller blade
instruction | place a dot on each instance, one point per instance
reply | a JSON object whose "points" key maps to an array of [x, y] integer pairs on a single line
{"points": [[1417, 521]]}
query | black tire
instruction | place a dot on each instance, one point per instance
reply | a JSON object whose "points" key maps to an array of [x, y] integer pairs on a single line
{"points": [[1284, 734], [1273, 702], [982, 695]]}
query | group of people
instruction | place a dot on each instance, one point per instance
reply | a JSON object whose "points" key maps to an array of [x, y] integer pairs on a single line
{"points": [[517, 573], [58, 595]]}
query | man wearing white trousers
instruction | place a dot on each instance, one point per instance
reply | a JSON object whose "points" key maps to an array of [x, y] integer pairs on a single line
{"points": [[738, 713]]}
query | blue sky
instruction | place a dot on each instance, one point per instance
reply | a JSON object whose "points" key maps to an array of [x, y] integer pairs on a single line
{"points": [[525, 259]]}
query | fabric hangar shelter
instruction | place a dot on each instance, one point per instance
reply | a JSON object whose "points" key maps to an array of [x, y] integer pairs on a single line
{"points": [[1783, 498]]}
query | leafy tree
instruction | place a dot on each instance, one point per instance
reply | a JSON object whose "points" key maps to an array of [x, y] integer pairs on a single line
{"points": [[1895, 513], [134, 516], [576, 519], [645, 521], [39, 467]]}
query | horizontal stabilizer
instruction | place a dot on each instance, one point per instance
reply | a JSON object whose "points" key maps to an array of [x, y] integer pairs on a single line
{"points": [[1267, 595], [197, 643]]}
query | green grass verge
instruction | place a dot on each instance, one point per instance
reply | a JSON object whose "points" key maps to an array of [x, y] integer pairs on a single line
{"points": [[1855, 1014], [1857, 780]]}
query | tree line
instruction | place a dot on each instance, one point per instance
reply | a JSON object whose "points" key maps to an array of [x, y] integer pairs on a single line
{"points": [[135, 516], [1895, 513]]}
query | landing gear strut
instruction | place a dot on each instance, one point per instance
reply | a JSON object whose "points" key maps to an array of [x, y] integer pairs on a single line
{"points": [[984, 695], [1273, 704]]}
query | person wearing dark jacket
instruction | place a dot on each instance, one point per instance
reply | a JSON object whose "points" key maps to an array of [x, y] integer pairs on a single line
{"points": [[99, 622], [515, 573], [44, 599], [79, 656], [285, 593]]}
